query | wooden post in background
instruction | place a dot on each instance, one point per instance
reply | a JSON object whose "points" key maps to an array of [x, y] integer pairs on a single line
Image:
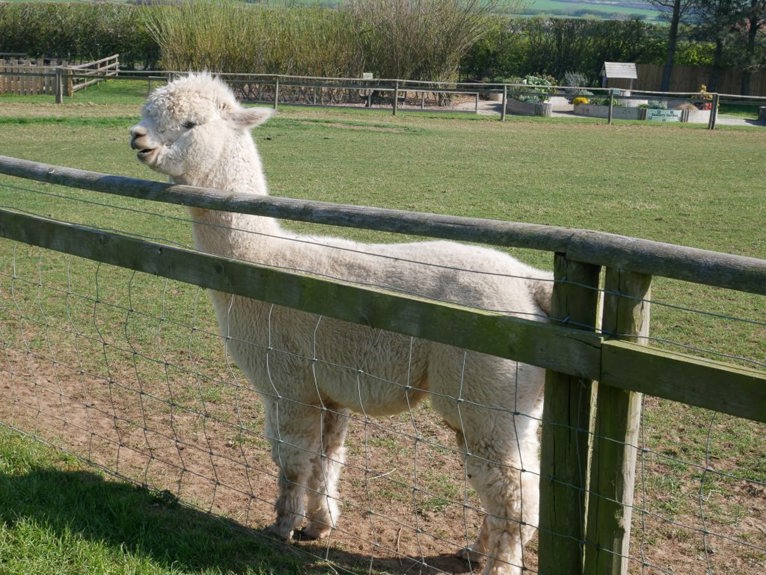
{"points": [[276, 92], [59, 89], [616, 433], [713, 112], [505, 101], [566, 428]]}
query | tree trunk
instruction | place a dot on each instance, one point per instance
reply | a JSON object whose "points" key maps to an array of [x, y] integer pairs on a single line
{"points": [[715, 70], [667, 70]]}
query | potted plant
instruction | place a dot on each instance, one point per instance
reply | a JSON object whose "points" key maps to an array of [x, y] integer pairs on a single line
{"points": [[530, 96], [703, 99]]}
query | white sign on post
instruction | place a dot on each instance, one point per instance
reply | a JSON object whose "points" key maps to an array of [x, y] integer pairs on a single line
{"points": [[660, 115]]}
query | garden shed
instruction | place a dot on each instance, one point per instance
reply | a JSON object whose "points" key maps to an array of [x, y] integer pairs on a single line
{"points": [[622, 72]]}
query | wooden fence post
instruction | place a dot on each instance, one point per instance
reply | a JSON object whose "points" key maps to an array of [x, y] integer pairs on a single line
{"points": [[505, 101], [396, 97], [616, 433], [713, 112], [276, 92], [566, 427], [59, 88]]}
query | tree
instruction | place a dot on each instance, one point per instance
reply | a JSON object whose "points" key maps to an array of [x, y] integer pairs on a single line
{"points": [[735, 29], [754, 19], [677, 9], [749, 25]]}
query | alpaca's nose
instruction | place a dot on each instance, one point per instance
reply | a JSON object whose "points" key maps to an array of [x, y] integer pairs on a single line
{"points": [[135, 133]]}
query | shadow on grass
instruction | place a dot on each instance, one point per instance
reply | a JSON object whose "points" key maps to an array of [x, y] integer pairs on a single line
{"points": [[173, 536], [141, 522]]}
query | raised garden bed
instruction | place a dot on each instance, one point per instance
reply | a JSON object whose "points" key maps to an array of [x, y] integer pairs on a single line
{"points": [[513, 106], [602, 111]]}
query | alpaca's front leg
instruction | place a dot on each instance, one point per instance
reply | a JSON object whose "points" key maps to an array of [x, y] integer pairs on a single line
{"points": [[294, 432], [322, 493], [289, 505]]}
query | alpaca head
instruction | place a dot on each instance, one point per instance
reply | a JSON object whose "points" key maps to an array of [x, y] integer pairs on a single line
{"points": [[192, 126]]}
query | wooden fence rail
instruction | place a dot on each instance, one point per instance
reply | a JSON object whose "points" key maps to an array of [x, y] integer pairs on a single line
{"points": [[585, 520], [23, 76], [276, 89]]}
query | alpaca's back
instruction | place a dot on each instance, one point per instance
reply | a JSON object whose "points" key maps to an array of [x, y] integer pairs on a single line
{"points": [[440, 270]]}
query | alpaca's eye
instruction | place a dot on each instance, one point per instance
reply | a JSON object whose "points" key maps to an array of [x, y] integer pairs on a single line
{"points": [[188, 125]]}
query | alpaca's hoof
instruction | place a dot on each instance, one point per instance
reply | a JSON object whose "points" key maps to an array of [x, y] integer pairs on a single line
{"points": [[471, 555], [304, 535], [280, 533], [312, 533]]}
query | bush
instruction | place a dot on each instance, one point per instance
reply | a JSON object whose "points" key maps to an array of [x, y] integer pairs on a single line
{"points": [[77, 32], [228, 36], [409, 39], [516, 46], [418, 39], [534, 89]]}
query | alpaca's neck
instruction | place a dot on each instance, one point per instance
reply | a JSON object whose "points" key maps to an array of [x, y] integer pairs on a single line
{"points": [[231, 235], [226, 233]]}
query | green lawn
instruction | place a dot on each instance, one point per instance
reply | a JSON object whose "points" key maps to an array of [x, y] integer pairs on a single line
{"points": [[673, 183], [58, 517]]}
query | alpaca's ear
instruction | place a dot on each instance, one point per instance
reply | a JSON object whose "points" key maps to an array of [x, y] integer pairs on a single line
{"points": [[251, 117]]}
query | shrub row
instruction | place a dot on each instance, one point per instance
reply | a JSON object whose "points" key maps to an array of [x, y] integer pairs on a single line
{"points": [[419, 40], [78, 32], [514, 47], [423, 39]]}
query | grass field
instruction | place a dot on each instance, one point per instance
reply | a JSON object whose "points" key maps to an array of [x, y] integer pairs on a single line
{"points": [[671, 183]]}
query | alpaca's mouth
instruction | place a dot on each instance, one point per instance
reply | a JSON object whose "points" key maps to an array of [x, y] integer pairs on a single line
{"points": [[145, 153]]}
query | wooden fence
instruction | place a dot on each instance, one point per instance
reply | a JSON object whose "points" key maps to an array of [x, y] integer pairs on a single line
{"points": [[581, 469], [24, 76], [689, 79]]}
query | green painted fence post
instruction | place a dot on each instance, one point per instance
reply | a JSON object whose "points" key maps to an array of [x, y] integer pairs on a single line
{"points": [[616, 433], [566, 425]]}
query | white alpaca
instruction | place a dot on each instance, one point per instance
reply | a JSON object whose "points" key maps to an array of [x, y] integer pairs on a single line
{"points": [[312, 370]]}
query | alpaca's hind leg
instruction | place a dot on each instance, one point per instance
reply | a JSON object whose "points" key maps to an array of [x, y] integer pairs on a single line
{"points": [[500, 540], [510, 499], [294, 433], [322, 494]]}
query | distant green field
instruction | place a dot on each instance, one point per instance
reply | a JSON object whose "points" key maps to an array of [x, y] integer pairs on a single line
{"points": [[563, 8], [601, 9]]}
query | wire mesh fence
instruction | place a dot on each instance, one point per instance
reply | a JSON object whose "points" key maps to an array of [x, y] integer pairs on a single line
{"points": [[128, 371]]}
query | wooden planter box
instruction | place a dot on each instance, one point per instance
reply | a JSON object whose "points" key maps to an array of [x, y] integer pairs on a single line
{"points": [[696, 116], [528, 108], [601, 111]]}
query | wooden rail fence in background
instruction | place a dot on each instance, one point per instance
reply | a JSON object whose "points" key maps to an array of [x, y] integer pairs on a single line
{"points": [[23, 76]]}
